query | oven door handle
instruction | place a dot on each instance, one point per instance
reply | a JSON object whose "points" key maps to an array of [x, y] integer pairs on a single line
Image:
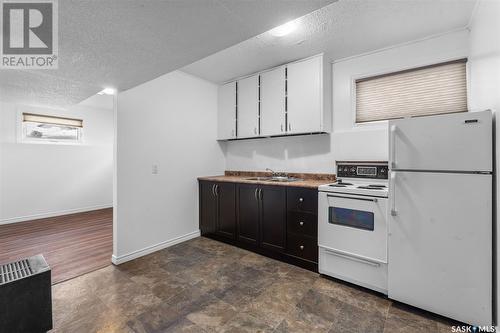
{"points": [[352, 257], [354, 198]]}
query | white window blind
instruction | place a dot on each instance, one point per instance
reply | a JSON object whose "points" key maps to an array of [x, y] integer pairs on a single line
{"points": [[436, 89], [50, 129], [38, 118]]}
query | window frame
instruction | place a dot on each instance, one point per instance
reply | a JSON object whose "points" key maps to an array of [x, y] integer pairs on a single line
{"points": [[394, 70], [23, 138]]}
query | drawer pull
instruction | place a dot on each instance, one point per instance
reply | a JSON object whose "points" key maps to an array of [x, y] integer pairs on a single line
{"points": [[353, 258], [301, 223], [301, 199], [302, 247]]}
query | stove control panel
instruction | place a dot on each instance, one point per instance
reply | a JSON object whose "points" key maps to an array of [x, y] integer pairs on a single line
{"points": [[374, 170]]}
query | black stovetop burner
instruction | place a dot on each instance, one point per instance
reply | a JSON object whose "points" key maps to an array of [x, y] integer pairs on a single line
{"points": [[341, 184]]}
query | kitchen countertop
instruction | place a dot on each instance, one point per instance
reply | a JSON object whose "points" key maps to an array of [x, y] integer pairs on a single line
{"points": [[309, 180]]}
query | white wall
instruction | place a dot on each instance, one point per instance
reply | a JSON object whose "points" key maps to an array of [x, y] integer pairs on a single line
{"points": [[41, 180], [485, 77], [347, 142], [170, 122]]}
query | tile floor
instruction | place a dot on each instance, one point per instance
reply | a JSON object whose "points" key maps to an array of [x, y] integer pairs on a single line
{"points": [[207, 286]]}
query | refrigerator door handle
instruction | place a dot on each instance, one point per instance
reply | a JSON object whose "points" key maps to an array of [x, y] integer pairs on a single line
{"points": [[392, 148], [393, 194]]}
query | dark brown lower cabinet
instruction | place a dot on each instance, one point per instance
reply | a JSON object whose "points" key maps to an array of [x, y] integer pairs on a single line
{"points": [[276, 221], [208, 207], [248, 213], [302, 224], [273, 217], [218, 209], [226, 207]]}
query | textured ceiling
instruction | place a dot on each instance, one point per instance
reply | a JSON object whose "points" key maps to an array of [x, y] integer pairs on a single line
{"points": [[98, 101], [341, 29], [122, 43]]}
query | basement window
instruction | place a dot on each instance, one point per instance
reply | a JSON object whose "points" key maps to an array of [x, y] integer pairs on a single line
{"points": [[423, 91], [51, 129]]}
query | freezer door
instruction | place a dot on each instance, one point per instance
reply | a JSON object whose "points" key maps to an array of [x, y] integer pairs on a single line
{"points": [[453, 142], [440, 244]]}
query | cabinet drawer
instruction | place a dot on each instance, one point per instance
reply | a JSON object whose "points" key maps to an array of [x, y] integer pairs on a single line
{"points": [[302, 200], [303, 223], [302, 246]]}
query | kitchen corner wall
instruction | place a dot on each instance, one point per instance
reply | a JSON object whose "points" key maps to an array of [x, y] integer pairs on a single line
{"points": [[318, 153], [169, 123], [42, 180], [484, 76]]}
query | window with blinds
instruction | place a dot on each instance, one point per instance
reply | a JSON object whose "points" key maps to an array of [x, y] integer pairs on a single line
{"points": [[43, 128], [435, 89]]}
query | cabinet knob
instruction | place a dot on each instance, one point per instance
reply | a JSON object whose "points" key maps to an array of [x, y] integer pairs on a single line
{"points": [[255, 130], [301, 223], [301, 199], [302, 247]]}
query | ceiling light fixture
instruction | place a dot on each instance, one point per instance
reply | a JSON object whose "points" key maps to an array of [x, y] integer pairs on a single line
{"points": [[107, 91], [284, 29]]}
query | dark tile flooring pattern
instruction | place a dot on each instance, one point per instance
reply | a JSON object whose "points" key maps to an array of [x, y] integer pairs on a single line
{"points": [[207, 286]]}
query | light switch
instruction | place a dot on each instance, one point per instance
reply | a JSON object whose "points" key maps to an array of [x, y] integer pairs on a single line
{"points": [[154, 169]]}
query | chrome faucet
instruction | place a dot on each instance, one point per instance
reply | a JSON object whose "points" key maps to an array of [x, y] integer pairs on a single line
{"points": [[277, 174]]}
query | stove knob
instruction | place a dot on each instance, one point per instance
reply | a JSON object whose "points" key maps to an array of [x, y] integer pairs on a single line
{"points": [[353, 170]]}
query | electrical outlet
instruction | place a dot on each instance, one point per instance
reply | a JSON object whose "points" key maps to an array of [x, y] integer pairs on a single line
{"points": [[154, 169]]}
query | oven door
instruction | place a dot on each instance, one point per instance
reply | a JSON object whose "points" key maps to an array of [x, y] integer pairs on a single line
{"points": [[353, 225]]}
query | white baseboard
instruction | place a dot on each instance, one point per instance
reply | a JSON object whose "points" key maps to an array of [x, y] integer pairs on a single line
{"points": [[52, 214], [117, 260]]}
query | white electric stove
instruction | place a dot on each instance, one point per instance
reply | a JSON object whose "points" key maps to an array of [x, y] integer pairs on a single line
{"points": [[352, 230]]}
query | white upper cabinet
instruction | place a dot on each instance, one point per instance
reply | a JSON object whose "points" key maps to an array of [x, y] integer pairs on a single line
{"points": [[292, 99], [227, 112], [248, 107], [272, 102], [305, 96]]}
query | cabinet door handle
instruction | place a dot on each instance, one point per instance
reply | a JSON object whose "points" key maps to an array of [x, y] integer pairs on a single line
{"points": [[301, 199], [213, 190], [255, 130], [255, 194], [260, 194], [217, 190], [301, 223], [302, 247], [282, 127], [289, 126]]}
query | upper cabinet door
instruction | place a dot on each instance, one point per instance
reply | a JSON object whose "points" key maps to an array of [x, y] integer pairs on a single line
{"points": [[226, 117], [272, 102], [248, 107], [305, 96]]}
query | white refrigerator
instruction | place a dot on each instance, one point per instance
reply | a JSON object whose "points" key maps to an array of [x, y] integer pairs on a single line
{"points": [[440, 243]]}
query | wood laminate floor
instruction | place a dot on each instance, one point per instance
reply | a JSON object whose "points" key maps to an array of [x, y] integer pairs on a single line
{"points": [[72, 244]]}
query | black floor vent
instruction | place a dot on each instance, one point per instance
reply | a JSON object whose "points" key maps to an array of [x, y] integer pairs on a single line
{"points": [[25, 296]]}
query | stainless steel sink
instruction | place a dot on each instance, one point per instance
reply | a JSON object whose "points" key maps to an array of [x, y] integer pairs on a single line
{"points": [[275, 179], [260, 178]]}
